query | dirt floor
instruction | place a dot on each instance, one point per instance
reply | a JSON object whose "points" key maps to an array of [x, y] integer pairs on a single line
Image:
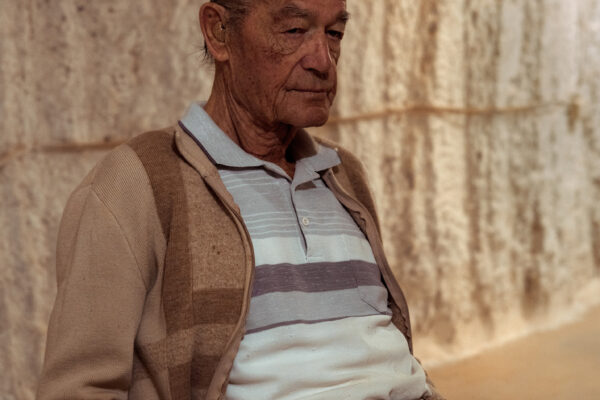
{"points": [[562, 364]]}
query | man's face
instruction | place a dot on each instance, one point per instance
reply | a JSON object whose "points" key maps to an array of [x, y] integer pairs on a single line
{"points": [[283, 62]]}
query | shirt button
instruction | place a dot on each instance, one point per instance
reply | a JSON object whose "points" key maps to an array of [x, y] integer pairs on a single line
{"points": [[305, 221]]}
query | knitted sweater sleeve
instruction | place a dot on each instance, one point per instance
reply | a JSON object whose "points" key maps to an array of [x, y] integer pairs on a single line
{"points": [[101, 290]]}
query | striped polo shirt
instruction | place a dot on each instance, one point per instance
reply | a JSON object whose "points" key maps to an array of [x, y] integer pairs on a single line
{"points": [[319, 326]]}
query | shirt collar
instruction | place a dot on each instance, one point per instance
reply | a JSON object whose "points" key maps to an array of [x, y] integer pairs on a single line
{"points": [[224, 152]]}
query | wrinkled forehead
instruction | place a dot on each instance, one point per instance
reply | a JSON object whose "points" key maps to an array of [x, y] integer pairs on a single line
{"points": [[307, 9]]}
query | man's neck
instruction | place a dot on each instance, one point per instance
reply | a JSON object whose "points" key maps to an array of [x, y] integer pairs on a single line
{"points": [[268, 143]]}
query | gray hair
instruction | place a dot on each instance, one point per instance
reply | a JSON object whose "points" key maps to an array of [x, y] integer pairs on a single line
{"points": [[237, 11]]}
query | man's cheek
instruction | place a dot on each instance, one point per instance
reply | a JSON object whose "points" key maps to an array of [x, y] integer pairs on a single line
{"points": [[280, 47]]}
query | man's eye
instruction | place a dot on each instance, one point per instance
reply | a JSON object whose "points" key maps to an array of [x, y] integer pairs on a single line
{"points": [[336, 34], [295, 31]]}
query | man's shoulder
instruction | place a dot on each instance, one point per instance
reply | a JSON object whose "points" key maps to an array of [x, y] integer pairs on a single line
{"points": [[347, 158], [129, 155], [123, 167], [154, 140], [351, 173]]}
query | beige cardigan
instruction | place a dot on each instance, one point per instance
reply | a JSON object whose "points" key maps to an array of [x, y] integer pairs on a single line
{"points": [[154, 272]]}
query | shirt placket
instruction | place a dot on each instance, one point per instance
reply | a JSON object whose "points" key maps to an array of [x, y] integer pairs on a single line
{"points": [[300, 204]]}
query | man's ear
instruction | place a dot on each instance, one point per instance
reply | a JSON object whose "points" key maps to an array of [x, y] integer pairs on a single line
{"points": [[212, 22]]}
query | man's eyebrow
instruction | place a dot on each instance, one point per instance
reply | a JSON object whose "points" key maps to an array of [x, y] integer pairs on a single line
{"points": [[293, 11], [343, 16]]}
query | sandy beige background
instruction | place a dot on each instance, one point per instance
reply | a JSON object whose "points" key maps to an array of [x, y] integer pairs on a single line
{"points": [[478, 121]]}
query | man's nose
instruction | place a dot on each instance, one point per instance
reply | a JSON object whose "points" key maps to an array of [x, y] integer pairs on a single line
{"points": [[318, 57]]}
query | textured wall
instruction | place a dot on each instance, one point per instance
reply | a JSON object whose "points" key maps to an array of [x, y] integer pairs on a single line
{"points": [[485, 118], [478, 121]]}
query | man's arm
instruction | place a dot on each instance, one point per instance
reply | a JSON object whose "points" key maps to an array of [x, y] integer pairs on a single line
{"points": [[100, 298]]}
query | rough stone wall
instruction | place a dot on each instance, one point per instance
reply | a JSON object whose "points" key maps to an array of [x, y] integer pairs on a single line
{"points": [[483, 117], [478, 121]]}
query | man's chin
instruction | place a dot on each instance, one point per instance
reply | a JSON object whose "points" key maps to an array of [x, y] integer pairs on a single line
{"points": [[319, 122], [308, 117], [313, 121]]}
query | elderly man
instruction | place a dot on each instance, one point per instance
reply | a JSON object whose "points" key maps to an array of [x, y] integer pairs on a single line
{"points": [[233, 255]]}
